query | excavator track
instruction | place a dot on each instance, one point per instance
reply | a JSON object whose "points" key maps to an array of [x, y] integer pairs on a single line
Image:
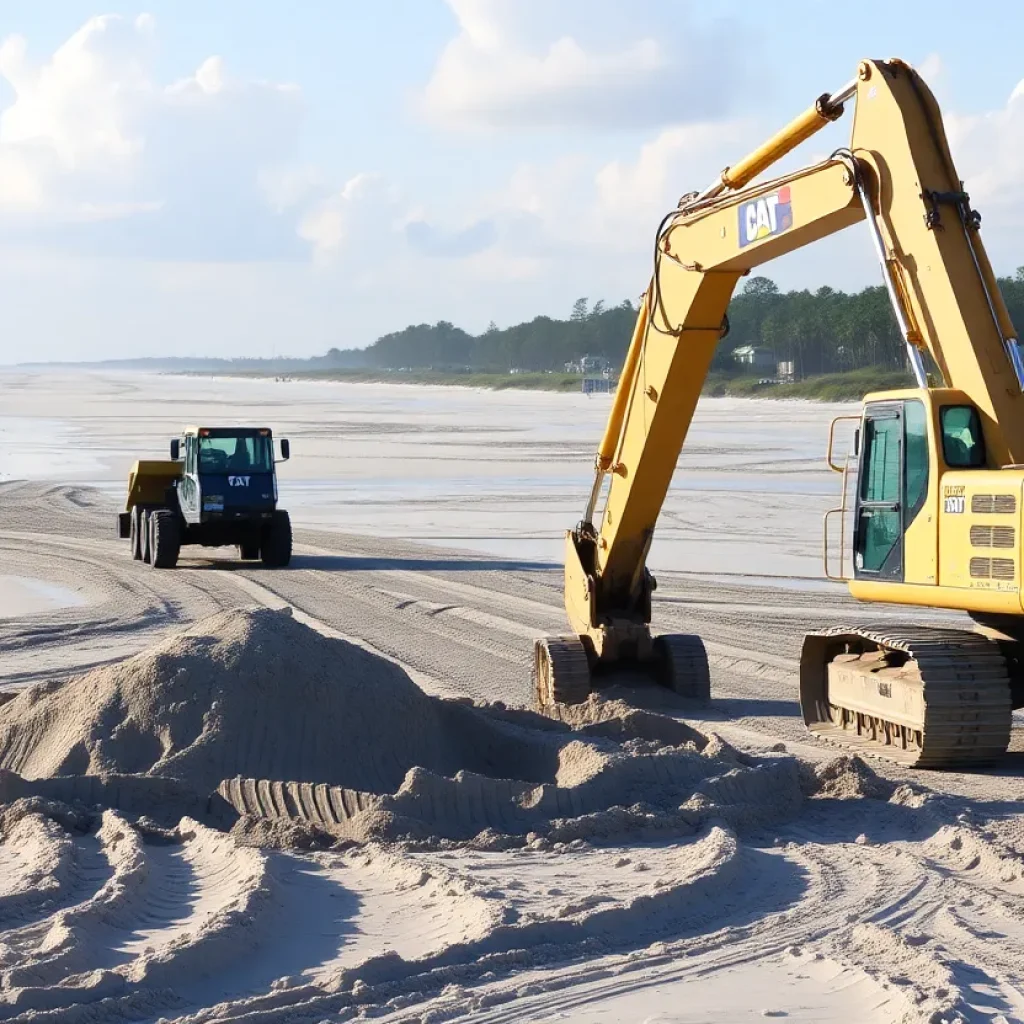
{"points": [[563, 674], [561, 671], [918, 696], [683, 666]]}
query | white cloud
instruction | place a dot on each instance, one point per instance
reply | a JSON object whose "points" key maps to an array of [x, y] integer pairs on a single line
{"points": [[20, 186], [931, 69], [681, 159], [581, 225], [76, 115], [606, 212], [330, 222], [989, 152], [288, 186], [100, 157], [596, 63]]}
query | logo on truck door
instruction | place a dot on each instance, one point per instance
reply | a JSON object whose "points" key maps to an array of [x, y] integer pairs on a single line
{"points": [[768, 215]]}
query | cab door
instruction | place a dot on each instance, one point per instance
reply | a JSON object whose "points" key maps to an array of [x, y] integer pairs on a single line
{"points": [[892, 486], [878, 534], [188, 486]]}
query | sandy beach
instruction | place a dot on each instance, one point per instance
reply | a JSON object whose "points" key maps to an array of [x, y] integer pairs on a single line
{"points": [[497, 472], [299, 800]]}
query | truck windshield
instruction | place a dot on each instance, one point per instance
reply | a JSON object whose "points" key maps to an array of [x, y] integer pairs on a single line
{"points": [[235, 455]]}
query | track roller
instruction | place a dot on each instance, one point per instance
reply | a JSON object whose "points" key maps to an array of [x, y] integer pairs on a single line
{"points": [[682, 665], [561, 671], [926, 698]]}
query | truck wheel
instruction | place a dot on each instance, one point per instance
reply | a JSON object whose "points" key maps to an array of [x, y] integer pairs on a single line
{"points": [[145, 538], [164, 539], [135, 533], [276, 549], [249, 552]]}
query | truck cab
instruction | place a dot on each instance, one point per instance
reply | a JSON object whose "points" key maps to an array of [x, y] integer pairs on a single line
{"points": [[228, 473], [218, 489]]}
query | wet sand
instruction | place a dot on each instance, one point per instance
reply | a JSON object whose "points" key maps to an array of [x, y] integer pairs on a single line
{"points": [[505, 473]]}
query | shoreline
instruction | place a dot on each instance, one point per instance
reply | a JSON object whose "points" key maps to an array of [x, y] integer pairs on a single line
{"points": [[850, 386]]}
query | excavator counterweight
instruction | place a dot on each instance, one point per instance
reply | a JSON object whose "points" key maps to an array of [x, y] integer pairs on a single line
{"points": [[938, 474]]}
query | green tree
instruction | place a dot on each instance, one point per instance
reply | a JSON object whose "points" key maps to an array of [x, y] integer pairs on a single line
{"points": [[760, 286], [820, 332]]}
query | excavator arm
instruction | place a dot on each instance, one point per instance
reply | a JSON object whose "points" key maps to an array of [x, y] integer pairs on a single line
{"points": [[898, 176], [700, 258]]}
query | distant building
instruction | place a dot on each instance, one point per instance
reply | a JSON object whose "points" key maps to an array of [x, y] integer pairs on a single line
{"points": [[786, 371], [588, 364], [756, 358]]}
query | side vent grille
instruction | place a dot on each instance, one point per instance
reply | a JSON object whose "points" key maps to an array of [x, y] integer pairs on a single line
{"points": [[993, 536], [992, 569], [990, 504]]}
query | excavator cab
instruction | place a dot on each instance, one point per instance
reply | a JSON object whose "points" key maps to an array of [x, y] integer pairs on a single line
{"points": [[921, 477], [934, 524]]}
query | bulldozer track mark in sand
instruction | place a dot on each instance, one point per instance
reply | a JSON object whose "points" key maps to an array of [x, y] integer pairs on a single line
{"points": [[269, 598], [453, 587], [124, 606], [420, 642]]}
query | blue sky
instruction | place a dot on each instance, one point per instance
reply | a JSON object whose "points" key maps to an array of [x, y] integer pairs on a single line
{"points": [[245, 177]]}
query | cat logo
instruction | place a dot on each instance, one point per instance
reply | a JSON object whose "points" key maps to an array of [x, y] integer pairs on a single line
{"points": [[955, 499], [766, 216], [238, 481]]}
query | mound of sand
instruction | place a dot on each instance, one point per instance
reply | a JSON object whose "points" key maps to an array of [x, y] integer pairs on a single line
{"points": [[844, 777], [288, 725], [251, 693]]}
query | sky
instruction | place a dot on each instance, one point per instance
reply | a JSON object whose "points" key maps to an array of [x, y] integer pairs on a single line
{"points": [[247, 178]]}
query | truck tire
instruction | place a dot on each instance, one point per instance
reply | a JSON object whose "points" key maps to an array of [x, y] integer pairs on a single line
{"points": [[135, 533], [249, 551], [276, 549], [164, 539], [144, 534]]}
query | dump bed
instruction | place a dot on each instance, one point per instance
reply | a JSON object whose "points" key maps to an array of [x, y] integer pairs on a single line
{"points": [[149, 479]]}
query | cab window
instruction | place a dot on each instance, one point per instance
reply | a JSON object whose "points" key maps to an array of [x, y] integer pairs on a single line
{"points": [[880, 481], [915, 477], [963, 446], [879, 528]]}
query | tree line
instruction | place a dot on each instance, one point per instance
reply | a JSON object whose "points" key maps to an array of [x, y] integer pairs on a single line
{"points": [[824, 331], [820, 332]]}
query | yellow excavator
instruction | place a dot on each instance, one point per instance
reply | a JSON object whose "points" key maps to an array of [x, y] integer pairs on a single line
{"points": [[938, 469]]}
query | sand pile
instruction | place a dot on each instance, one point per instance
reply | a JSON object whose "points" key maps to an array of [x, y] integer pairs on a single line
{"points": [[844, 777], [252, 693], [257, 715]]}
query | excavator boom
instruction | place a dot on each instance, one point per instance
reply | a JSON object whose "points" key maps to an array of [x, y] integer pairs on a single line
{"points": [[897, 174]]}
